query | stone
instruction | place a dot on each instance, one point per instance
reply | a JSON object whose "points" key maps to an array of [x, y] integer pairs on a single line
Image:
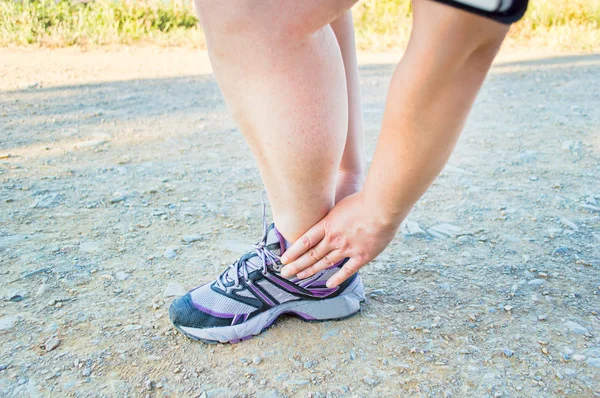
{"points": [[48, 201], [191, 238], [570, 224], [122, 276], [370, 381], [132, 327], [299, 382], [561, 251], [90, 247], [575, 327], [595, 362], [90, 143], [330, 333], [536, 282], [15, 298], [445, 286], [257, 360], [8, 322], [507, 353], [412, 228], [42, 289], [444, 230], [571, 146], [170, 253], [51, 343], [117, 198], [174, 290]]}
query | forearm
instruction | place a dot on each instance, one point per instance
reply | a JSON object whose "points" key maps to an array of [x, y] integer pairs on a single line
{"points": [[430, 95]]}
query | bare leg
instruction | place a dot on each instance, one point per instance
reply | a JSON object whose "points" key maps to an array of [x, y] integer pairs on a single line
{"points": [[351, 174], [281, 72]]}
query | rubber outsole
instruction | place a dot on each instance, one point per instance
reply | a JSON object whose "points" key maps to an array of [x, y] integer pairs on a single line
{"points": [[235, 341]]}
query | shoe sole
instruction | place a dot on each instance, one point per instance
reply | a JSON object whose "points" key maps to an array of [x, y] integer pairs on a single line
{"points": [[337, 308]]}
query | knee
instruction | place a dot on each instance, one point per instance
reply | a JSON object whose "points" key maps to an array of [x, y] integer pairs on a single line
{"points": [[247, 20], [455, 33]]}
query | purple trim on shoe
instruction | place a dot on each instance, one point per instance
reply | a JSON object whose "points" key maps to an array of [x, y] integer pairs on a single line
{"points": [[283, 285], [213, 313], [282, 241], [304, 316], [238, 317], [323, 292], [260, 294], [235, 341]]}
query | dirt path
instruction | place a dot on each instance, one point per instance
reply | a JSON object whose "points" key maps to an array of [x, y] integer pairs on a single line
{"points": [[108, 158]]}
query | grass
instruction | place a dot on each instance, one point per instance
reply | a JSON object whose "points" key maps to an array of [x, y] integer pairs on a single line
{"points": [[380, 24]]}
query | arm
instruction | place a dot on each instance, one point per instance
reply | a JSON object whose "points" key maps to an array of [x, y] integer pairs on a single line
{"points": [[430, 95]]}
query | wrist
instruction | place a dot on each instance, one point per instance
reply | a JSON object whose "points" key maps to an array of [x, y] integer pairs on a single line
{"points": [[382, 212]]}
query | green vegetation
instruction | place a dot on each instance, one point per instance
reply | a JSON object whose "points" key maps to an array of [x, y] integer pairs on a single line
{"points": [[380, 24]]}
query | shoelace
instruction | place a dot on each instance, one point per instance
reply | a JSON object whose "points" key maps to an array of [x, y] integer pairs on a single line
{"points": [[261, 251]]}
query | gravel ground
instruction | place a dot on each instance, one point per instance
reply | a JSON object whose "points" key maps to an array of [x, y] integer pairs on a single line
{"points": [[124, 180]]}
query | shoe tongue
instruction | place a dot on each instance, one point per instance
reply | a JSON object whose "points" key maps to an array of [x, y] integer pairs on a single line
{"points": [[276, 244]]}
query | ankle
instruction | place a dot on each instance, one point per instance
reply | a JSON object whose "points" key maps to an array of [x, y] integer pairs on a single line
{"points": [[348, 183]]}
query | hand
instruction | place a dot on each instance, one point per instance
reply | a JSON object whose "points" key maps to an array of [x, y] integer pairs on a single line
{"points": [[351, 229]]}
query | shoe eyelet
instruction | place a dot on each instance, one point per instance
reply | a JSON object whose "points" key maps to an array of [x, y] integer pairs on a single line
{"points": [[277, 267]]}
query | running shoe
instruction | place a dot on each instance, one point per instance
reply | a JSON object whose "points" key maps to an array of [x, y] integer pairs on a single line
{"points": [[251, 294]]}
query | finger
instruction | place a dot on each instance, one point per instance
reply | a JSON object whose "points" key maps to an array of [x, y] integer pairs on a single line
{"points": [[304, 243], [328, 261], [312, 256], [350, 268]]}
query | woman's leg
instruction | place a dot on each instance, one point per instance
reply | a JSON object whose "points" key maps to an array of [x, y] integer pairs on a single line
{"points": [[281, 72], [351, 173]]}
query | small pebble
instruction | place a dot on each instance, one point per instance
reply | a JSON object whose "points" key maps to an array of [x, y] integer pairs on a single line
{"points": [[370, 381], [170, 253], [191, 238], [257, 360], [174, 290], [16, 298], [51, 344]]}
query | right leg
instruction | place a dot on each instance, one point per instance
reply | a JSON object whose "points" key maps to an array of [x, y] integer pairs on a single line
{"points": [[281, 72], [351, 173]]}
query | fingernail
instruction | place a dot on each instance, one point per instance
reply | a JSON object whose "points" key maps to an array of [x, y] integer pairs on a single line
{"points": [[329, 284], [284, 259], [285, 273]]}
